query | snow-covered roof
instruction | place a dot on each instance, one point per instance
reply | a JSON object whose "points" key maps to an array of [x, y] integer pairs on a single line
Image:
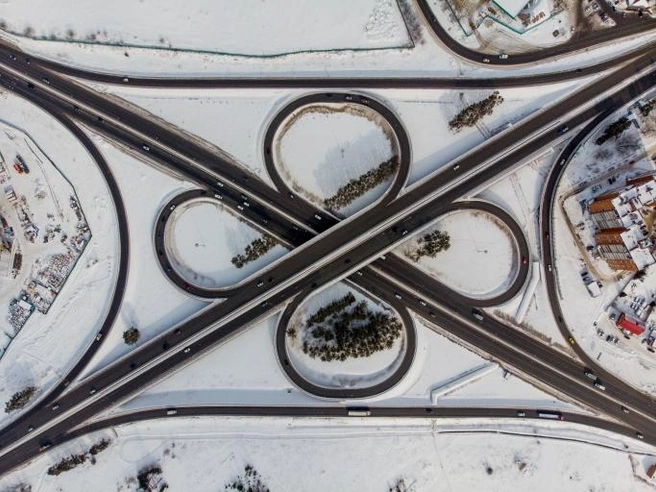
{"points": [[511, 7]]}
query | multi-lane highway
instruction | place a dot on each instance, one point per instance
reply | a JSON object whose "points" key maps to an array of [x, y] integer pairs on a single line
{"points": [[332, 256]]}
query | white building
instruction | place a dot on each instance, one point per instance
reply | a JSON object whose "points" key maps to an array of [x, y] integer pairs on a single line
{"points": [[511, 7]]}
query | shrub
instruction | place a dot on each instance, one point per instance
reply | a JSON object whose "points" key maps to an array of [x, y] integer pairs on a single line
{"points": [[615, 129], [131, 336], [20, 399], [250, 481]]}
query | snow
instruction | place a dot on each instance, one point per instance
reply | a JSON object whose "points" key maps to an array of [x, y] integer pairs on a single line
{"points": [[49, 344], [250, 27], [151, 302], [202, 237], [293, 454], [479, 263], [353, 372], [322, 147]]}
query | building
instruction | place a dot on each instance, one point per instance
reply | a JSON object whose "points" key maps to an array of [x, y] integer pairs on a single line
{"points": [[511, 7], [623, 222], [629, 325], [651, 471]]}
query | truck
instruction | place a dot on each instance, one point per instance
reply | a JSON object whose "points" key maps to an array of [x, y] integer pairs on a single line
{"points": [[549, 414], [359, 412], [21, 163]]}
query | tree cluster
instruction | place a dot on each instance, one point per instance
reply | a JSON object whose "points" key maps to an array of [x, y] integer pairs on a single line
{"points": [[254, 250], [70, 462], [473, 113], [131, 336], [250, 481], [615, 129], [430, 244], [19, 399], [648, 107], [401, 486], [151, 480], [359, 186], [342, 333]]}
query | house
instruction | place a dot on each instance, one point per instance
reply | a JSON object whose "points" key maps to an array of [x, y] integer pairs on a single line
{"points": [[626, 324]]}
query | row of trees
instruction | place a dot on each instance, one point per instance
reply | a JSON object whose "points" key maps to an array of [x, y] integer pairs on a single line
{"points": [[254, 250], [250, 481], [359, 186], [70, 462], [19, 399], [349, 333], [473, 113], [332, 308], [615, 129], [430, 245]]}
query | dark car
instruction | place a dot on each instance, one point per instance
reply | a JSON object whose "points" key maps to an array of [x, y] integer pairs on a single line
{"points": [[563, 129]]}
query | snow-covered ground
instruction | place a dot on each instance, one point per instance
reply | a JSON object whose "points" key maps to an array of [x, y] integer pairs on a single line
{"points": [[49, 344], [293, 454], [481, 259], [250, 27], [202, 237], [151, 302], [322, 147], [353, 372]]}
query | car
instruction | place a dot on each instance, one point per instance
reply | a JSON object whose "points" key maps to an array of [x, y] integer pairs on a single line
{"points": [[503, 56], [171, 411], [521, 413], [45, 445], [317, 216], [456, 167], [177, 331], [291, 195], [168, 269], [218, 197], [260, 283], [477, 314], [563, 129], [624, 409], [219, 184], [30, 85], [265, 304], [239, 207], [524, 260], [46, 80], [486, 60], [30, 428], [187, 350], [246, 204], [165, 346], [398, 296], [12, 56], [571, 341], [92, 391], [98, 337], [145, 147], [549, 267], [404, 232], [55, 406], [589, 374], [126, 80], [423, 303], [359, 273], [639, 435], [599, 385]]}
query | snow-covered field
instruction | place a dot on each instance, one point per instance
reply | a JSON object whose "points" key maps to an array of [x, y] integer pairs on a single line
{"points": [[481, 259], [250, 27], [293, 454], [202, 237], [49, 344], [322, 147]]}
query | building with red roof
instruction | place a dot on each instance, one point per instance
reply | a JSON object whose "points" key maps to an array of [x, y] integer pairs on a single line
{"points": [[631, 326]]}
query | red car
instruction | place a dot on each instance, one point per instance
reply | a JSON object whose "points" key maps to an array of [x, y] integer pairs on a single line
{"points": [[18, 169]]}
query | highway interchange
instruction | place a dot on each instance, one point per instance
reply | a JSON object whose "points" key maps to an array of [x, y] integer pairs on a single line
{"points": [[324, 249]]}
